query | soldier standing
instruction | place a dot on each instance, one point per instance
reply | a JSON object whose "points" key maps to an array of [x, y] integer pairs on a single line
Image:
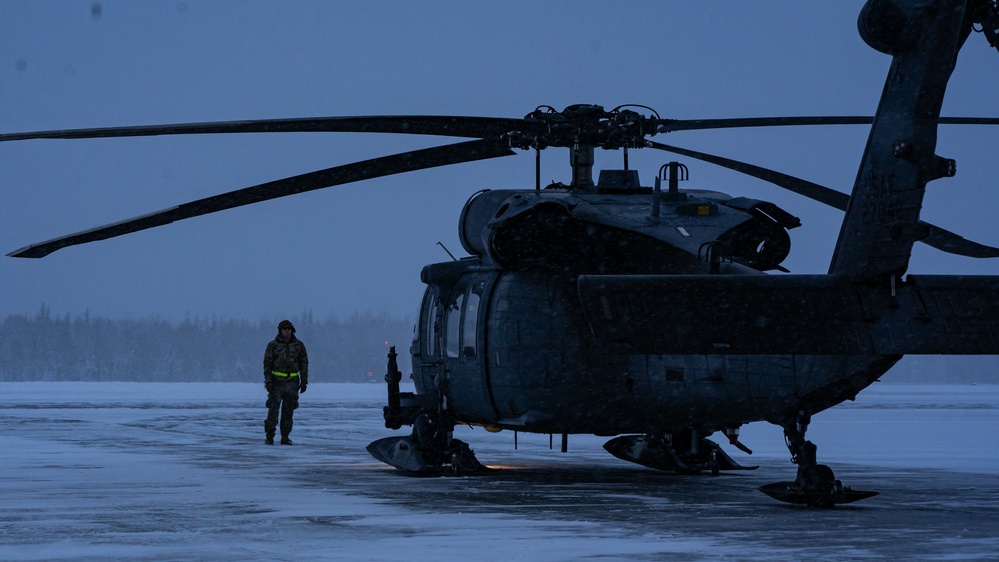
{"points": [[286, 373]]}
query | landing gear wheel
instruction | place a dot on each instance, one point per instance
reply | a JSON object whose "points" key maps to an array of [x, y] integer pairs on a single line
{"points": [[815, 485]]}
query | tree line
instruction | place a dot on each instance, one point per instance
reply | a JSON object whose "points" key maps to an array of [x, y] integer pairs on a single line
{"points": [[87, 348]]}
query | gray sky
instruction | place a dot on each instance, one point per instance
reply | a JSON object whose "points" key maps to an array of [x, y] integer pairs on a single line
{"points": [[360, 247]]}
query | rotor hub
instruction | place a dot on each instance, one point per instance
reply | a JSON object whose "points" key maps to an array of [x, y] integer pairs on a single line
{"points": [[585, 125]]}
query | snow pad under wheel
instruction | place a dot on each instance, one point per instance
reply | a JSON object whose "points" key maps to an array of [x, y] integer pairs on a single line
{"points": [[400, 453], [403, 454], [790, 493]]}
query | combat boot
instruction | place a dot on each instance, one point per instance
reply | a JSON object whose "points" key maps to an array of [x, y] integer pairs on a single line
{"points": [[269, 440], [285, 441]]}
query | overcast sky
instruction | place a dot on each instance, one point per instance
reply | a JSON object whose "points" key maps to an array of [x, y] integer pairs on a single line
{"points": [[361, 247]]}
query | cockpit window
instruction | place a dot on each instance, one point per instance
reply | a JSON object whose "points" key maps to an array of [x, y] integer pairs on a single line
{"points": [[430, 328]]}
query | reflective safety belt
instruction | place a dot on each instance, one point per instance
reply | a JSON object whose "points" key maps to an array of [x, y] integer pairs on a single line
{"points": [[283, 375]]}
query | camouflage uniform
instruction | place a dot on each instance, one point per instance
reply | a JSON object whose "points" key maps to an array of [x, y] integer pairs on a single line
{"points": [[286, 370]]}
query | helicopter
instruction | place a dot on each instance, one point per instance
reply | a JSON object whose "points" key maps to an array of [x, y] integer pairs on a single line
{"points": [[645, 314]]}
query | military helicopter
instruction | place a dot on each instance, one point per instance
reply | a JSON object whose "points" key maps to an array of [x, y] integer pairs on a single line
{"points": [[643, 313]]}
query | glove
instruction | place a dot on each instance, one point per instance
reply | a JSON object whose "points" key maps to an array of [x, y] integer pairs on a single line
{"points": [[303, 387], [269, 385]]}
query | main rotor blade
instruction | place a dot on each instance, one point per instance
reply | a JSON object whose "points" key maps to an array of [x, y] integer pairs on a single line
{"points": [[811, 190], [442, 125], [936, 237], [339, 175], [671, 125], [947, 241]]}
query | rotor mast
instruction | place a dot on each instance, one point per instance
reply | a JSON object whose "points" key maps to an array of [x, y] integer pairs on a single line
{"points": [[581, 159], [582, 128]]}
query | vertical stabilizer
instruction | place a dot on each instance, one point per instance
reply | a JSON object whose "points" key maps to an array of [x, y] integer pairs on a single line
{"points": [[882, 219]]}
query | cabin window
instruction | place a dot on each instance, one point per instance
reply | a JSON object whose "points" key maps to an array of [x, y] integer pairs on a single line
{"points": [[471, 318], [451, 341]]}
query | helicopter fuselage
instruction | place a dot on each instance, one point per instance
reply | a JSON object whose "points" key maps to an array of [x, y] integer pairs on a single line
{"points": [[511, 350], [503, 340]]}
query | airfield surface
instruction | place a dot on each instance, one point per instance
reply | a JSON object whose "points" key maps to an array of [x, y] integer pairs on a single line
{"points": [[180, 471]]}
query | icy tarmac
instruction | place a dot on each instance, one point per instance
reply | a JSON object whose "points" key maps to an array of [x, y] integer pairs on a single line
{"points": [[180, 472]]}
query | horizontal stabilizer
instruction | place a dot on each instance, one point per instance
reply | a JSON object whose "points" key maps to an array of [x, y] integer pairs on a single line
{"points": [[792, 314]]}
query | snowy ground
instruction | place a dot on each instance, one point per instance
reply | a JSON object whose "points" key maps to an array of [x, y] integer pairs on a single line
{"points": [[180, 472]]}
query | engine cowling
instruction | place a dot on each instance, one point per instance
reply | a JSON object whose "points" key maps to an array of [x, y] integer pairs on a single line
{"points": [[584, 232]]}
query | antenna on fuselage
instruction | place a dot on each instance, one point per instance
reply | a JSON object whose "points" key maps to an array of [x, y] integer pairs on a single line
{"points": [[677, 173], [448, 251]]}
